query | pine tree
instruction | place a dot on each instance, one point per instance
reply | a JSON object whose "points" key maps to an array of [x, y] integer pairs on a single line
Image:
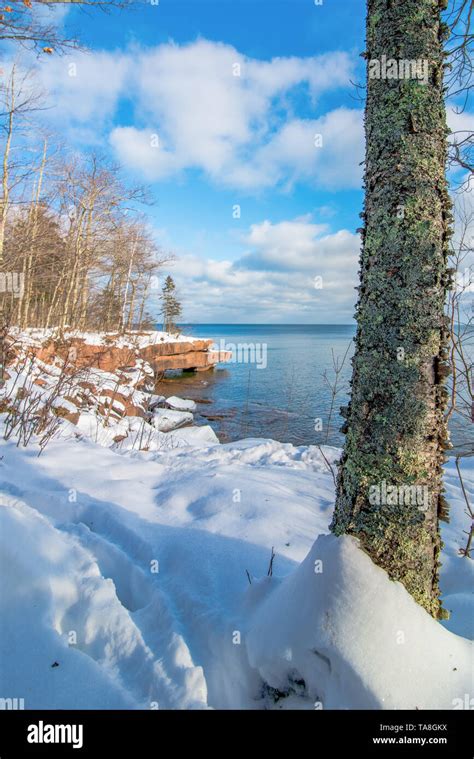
{"points": [[390, 479], [171, 308]]}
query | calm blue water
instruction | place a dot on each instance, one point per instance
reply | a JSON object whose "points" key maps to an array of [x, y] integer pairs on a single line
{"points": [[283, 400]]}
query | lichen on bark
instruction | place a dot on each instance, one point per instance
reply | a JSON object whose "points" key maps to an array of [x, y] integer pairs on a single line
{"points": [[395, 420]]}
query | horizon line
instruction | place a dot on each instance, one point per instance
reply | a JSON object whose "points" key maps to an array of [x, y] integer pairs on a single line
{"points": [[267, 324]]}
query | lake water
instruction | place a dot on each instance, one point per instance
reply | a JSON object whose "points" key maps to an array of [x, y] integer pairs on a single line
{"points": [[276, 387]]}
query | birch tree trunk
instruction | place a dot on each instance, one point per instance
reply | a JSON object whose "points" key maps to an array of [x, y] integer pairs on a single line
{"points": [[4, 200], [390, 480], [25, 302]]}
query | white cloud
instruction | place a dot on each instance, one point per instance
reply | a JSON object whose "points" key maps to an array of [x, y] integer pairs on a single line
{"points": [[226, 125], [322, 72], [144, 151], [327, 151], [275, 280], [239, 130], [297, 245], [85, 87], [460, 121]]}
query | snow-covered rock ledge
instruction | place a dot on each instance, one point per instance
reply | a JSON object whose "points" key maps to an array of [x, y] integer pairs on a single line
{"points": [[111, 351]]}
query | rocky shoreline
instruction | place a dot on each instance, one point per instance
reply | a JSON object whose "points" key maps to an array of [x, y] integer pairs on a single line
{"points": [[108, 386]]}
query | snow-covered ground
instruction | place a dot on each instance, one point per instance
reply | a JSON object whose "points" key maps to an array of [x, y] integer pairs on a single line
{"points": [[143, 339], [140, 578], [125, 585]]}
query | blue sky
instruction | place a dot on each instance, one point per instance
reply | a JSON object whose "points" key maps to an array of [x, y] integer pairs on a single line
{"points": [[243, 118]]}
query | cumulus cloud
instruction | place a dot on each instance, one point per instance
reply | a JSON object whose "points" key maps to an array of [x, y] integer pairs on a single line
{"points": [[275, 281], [327, 151], [460, 121], [217, 111], [206, 106], [145, 152], [85, 87], [296, 246]]}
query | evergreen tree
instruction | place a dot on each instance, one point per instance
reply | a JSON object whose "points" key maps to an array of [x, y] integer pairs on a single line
{"points": [[390, 479], [171, 308]]}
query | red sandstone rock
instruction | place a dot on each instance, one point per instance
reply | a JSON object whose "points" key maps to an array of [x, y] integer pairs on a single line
{"points": [[118, 400], [109, 357]]}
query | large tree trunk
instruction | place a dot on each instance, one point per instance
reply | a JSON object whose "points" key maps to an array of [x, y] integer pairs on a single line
{"points": [[396, 433]]}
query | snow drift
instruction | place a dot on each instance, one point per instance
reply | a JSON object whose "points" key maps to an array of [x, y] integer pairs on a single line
{"points": [[350, 638]]}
